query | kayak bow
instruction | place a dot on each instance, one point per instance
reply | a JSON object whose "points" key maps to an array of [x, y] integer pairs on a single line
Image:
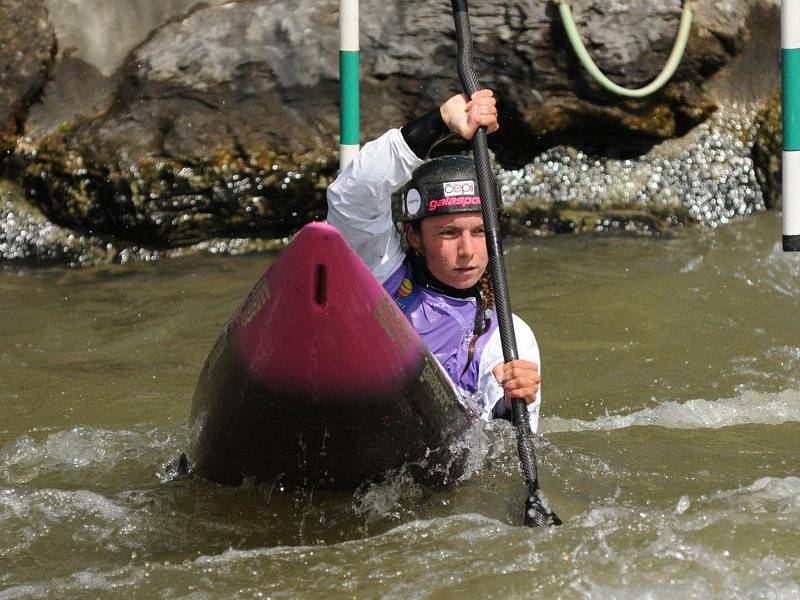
{"points": [[318, 380]]}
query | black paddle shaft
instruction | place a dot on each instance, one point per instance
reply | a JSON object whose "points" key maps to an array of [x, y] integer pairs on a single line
{"points": [[536, 511]]}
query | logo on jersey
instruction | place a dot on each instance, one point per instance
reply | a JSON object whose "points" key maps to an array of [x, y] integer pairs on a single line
{"points": [[406, 287]]}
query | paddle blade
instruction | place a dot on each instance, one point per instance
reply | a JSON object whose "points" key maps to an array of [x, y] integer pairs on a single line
{"points": [[538, 513]]}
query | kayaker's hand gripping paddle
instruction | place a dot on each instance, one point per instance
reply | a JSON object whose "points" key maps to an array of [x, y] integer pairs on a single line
{"points": [[537, 513]]}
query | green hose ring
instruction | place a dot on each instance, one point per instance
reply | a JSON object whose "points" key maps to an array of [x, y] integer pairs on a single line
{"points": [[666, 73]]}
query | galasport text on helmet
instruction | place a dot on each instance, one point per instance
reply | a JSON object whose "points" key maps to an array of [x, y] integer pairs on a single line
{"points": [[443, 185]]}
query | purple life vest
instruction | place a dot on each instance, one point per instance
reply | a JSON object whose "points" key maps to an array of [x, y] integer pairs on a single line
{"points": [[444, 323]]}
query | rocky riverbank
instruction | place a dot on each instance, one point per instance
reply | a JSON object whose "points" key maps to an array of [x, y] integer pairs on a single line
{"points": [[179, 126]]}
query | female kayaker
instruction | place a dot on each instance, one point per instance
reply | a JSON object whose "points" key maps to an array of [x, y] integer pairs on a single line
{"points": [[430, 252]]}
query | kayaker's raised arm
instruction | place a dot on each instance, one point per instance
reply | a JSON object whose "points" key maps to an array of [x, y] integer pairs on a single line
{"points": [[458, 115], [359, 201]]}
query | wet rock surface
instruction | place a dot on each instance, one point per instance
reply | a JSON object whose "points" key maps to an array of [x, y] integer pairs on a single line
{"points": [[27, 53], [708, 182], [219, 120], [767, 148], [28, 236]]}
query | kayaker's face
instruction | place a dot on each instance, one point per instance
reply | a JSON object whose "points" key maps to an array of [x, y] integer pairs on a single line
{"points": [[454, 247]]}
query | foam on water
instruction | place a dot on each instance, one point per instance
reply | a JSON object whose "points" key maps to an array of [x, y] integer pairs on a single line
{"points": [[701, 547], [750, 407], [82, 449], [710, 537], [768, 493], [28, 518]]}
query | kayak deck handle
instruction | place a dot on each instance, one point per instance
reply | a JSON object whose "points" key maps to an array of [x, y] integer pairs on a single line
{"points": [[320, 285]]}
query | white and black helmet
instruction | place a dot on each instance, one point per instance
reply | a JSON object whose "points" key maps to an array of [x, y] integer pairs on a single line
{"points": [[443, 185]]}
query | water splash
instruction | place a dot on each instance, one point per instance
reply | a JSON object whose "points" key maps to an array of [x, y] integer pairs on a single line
{"points": [[377, 501], [395, 495]]}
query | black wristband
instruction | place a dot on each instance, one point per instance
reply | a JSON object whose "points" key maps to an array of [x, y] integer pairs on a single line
{"points": [[423, 133]]}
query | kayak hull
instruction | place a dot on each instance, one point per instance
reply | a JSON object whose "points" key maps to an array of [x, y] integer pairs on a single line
{"points": [[318, 380]]}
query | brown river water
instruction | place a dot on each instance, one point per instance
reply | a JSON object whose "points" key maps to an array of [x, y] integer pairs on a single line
{"points": [[670, 448]]}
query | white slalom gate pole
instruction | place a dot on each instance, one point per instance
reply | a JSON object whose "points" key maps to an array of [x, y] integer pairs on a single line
{"points": [[790, 53], [349, 134]]}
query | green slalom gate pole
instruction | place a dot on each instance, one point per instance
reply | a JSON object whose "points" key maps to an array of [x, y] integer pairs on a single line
{"points": [[349, 134], [790, 52]]}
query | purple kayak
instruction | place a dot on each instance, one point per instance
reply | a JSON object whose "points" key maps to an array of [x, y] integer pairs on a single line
{"points": [[318, 380]]}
